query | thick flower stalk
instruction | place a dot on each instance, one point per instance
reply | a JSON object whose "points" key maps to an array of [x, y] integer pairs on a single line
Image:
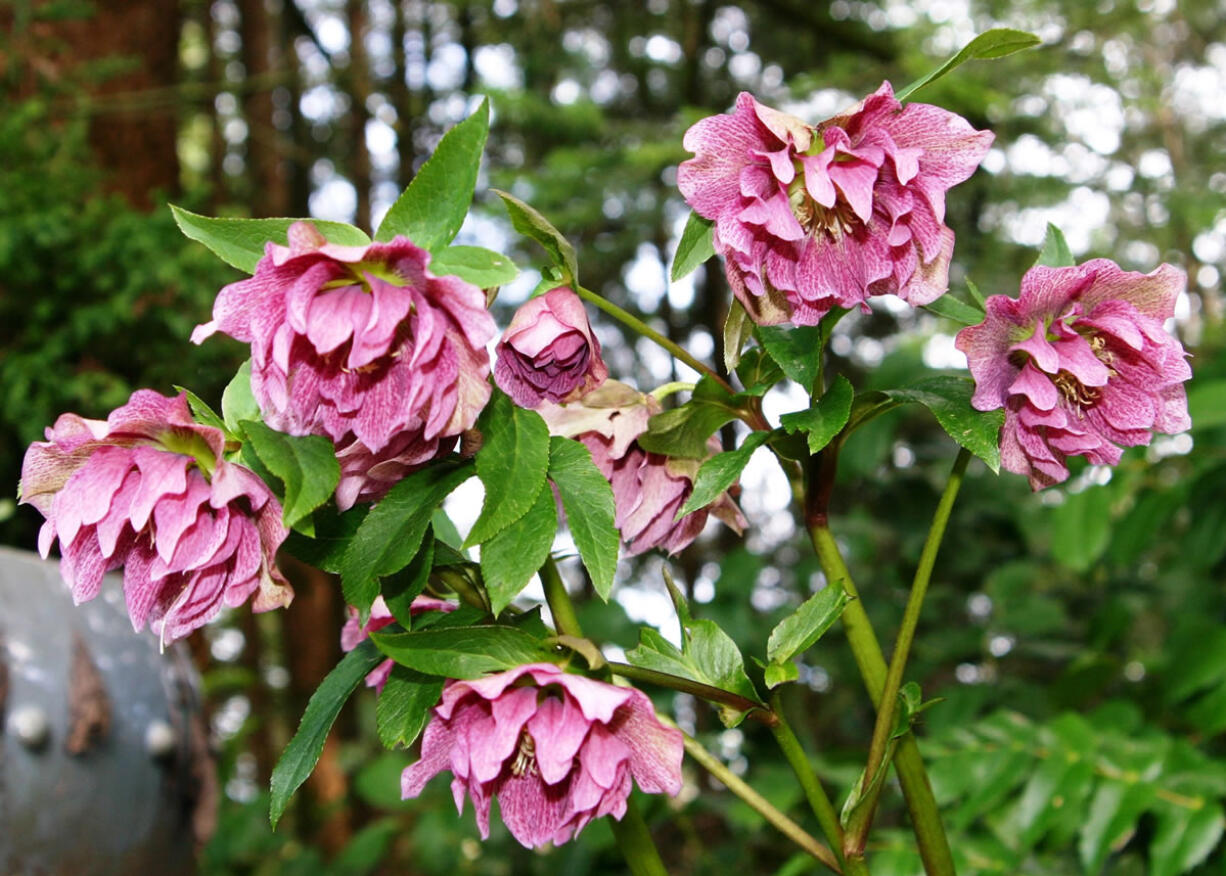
{"points": [[364, 345], [557, 750], [648, 488], [549, 352], [1082, 365], [148, 489], [810, 217], [354, 632]]}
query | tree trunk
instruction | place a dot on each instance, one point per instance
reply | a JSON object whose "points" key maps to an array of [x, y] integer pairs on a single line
{"points": [[264, 158], [359, 91]]}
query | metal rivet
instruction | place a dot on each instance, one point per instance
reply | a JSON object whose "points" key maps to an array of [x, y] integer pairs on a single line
{"points": [[160, 739], [30, 725]]}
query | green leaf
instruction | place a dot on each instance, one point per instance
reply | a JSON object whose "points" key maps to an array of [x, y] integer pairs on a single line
{"points": [[201, 411], [391, 534], [949, 399], [797, 632], [995, 43], [709, 656], [306, 465], [511, 557], [237, 400], [1184, 838], [976, 296], [776, 674], [325, 549], [738, 328], [240, 242], [1055, 252], [758, 372], [822, 421], [1207, 403], [683, 431], [479, 266], [694, 248], [511, 463], [1081, 528], [798, 351], [953, 309], [530, 223], [403, 707], [587, 499], [303, 751], [400, 589], [720, 472], [1111, 820], [462, 652], [432, 209]]}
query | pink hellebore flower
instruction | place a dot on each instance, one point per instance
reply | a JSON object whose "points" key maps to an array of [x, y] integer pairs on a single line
{"points": [[808, 218], [148, 489], [549, 352], [648, 488], [362, 344], [557, 750], [1081, 364], [353, 632]]}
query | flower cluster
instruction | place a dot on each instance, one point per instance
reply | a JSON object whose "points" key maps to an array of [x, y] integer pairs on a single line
{"points": [[1082, 365], [648, 488], [364, 345], [149, 489], [812, 217], [556, 750]]}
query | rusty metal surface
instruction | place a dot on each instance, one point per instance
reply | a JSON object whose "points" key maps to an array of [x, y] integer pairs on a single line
{"points": [[102, 767]]}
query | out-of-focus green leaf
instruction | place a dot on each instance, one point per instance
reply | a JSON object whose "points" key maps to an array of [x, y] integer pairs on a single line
{"points": [[1184, 838]]}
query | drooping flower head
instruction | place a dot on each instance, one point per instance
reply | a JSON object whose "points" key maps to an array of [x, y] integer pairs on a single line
{"points": [[549, 352], [1081, 364], [557, 750], [360, 343], [648, 488], [354, 631], [149, 490], [810, 217]]}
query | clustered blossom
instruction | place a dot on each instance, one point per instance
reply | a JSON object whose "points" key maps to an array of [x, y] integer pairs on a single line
{"points": [[648, 488], [549, 352], [1082, 365], [149, 490], [354, 631], [364, 345], [808, 218], [557, 750]]}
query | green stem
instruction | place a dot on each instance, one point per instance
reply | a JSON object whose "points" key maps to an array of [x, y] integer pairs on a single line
{"points": [[921, 803], [632, 835], [827, 818], [563, 610], [888, 710], [634, 839], [760, 804], [704, 691], [631, 321]]}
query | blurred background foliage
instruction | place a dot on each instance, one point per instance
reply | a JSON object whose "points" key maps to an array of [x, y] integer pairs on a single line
{"points": [[1076, 637]]}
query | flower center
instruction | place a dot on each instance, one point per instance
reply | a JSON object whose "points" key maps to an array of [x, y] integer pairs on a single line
{"points": [[189, 443], [1075, 392], [814, 218], [525, 756]]}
